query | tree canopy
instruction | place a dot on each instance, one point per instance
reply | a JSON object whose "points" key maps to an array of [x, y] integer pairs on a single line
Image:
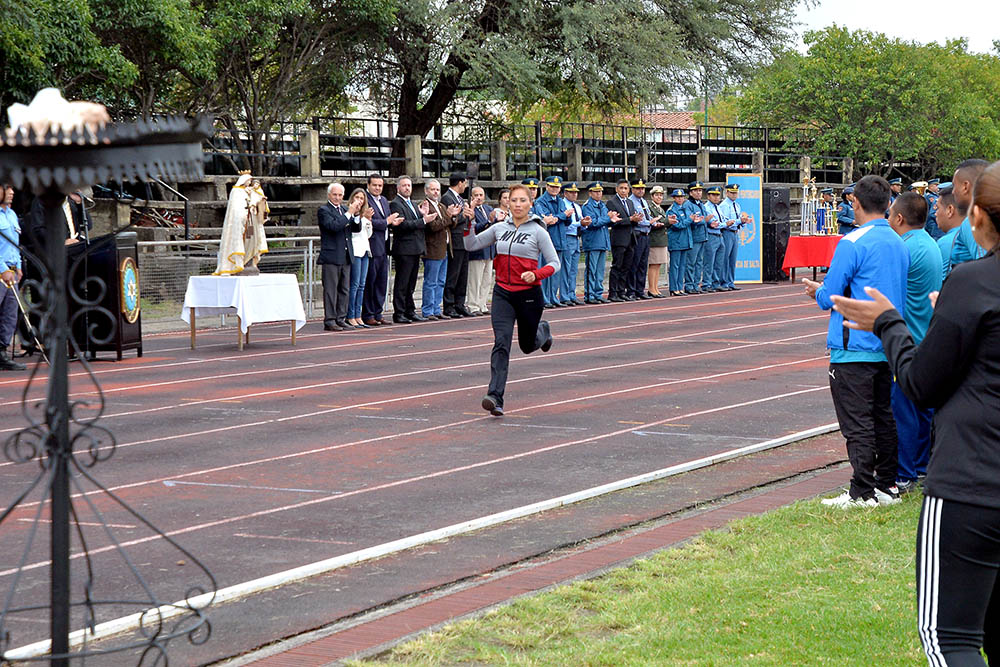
{"points": [[881, 100]]}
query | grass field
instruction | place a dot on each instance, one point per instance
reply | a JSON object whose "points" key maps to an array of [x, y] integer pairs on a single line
{"points": [[804, 584]]}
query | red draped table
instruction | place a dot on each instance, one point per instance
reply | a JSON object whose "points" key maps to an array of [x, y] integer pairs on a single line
{"points": [[809, 251]]}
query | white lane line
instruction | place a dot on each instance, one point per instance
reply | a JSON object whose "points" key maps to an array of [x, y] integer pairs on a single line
{"points": [[706, 436], [422, 478], [131, 622], [170, 482], [216, 377], [83, 523], [401, 419], [289, 539], [394, 376], [439, 427], [561, 428]]}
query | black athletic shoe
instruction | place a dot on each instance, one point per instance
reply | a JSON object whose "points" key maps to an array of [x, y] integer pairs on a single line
{"points": [[543, 327], [491, 405]]}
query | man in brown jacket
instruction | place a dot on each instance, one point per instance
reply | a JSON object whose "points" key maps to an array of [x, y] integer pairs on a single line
{"points": [[437, 236]]}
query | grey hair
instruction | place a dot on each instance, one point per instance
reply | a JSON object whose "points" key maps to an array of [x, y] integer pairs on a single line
{"points": [[333, 185]]}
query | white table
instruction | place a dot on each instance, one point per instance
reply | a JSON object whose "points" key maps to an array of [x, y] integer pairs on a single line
{"points": [[268, 297]]}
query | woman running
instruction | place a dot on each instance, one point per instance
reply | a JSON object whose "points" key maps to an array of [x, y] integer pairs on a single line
{"points": [[517, 295]]}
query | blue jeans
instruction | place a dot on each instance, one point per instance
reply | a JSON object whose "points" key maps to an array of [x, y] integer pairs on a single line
{"points": [[359, 272], [695, 260], [730, 245], [713, 258], [571, 252], [678, 269], [913, 430], [594, 284], [435, 272]]}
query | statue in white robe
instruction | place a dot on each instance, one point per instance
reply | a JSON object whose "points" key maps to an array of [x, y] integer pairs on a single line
{"points": [[243, 239]]}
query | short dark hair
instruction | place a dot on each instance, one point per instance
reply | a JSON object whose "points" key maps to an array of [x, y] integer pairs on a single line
{"points": [[372, 176], [872, 194], [912, 207], [457, 177], [950, 199], [622, 180]]}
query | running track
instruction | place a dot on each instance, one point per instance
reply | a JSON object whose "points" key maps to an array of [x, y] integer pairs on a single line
{"points": [[271, 458]]}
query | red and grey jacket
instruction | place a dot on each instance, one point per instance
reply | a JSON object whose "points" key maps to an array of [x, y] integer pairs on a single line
{"points": [[518, 250]]}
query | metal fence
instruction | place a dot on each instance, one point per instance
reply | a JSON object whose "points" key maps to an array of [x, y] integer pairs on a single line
{"points": [[166, 265], [354, 147]]}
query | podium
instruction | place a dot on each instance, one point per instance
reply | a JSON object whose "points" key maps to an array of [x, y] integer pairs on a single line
{"points": [[114, 260]]}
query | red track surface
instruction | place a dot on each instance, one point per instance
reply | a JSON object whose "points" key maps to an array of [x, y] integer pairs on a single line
{"points": [[263, 460]]}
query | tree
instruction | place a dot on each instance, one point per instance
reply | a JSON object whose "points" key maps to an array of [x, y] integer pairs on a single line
{"points": [[608, 55], [881, 101], [52, 43]]}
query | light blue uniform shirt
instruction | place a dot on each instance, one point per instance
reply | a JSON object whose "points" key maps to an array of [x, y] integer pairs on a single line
{"points": [[870, 256], [716, 211], [10, 255], [640, 205], [946, 244], [922, 278], [965, 248], [730, 213], [574, 221]]}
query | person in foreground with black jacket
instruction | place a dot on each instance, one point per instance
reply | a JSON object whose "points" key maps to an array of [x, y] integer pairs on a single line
{"points": [[956, 371]]}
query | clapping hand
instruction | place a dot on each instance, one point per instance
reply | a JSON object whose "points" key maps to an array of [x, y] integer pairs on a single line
{"points": [[354, 207], [635, 217], [468, 212], [454, 210], [614, 217], [697, 217], [569, 213], [394, 219], [550, 220], [367, 212], [585, 222], [672, 219], [655, 222]]}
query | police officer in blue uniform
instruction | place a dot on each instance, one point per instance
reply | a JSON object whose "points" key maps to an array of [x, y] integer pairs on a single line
{"points": [[715, 251], [555, 213], [931, 197], [699, 235], [678, 241], [845, 211], [895, 189], [596, 242], [571, 247]]}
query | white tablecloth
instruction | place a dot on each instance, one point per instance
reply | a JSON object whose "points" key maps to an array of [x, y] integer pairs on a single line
{"points": [[269, 297]]}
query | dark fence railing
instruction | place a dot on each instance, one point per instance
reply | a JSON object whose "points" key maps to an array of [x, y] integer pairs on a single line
{"points": [[354, 147]]}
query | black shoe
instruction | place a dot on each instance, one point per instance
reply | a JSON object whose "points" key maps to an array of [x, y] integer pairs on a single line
{"points": [[452, 314], [332, 327], [603, 300], [465, 312], [344, 325], [616, 299], [362, 325], [416, 318], [644, 297], [401, 319], [8, 364], [734, 288], [570, 304], [492, 405], [543, 328], [590, 302], [439, 316]]}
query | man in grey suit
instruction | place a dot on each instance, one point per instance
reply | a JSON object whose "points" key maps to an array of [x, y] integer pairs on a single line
{"points": [[335, 228]]}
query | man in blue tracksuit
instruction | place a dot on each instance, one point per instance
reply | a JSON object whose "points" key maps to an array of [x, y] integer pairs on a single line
{"points": [[907, 217], [860, 380], [714, 278], [699, 235], [964, 247], [555, 213], [678, 242], [596, 242]]}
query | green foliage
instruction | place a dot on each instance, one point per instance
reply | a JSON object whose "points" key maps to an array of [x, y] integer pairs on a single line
{"points": [[52, 43], [882, 101]]}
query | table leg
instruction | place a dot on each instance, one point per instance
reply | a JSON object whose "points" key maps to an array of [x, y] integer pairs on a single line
{"points": [[239, 333], [247, 337], [293, 333], [791, 274], [192, 328], [814, 274]]}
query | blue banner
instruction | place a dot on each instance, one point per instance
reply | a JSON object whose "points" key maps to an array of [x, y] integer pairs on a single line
{"points": [[749, 255]]}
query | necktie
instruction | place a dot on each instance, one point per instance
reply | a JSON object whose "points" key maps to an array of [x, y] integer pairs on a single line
{"points": [[413, 210]]}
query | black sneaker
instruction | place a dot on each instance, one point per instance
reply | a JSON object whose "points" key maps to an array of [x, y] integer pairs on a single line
{"points": [[491, 405], [7, 364], [546, 345], [889, 496], [906, 486]]}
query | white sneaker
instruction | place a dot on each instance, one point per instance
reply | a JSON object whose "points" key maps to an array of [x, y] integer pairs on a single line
{"points": [[844, 501], [888, 496]]}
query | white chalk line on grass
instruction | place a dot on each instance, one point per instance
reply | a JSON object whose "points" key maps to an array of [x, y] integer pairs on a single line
{"points": [[230, 593], [419, 478], [341, 345]]}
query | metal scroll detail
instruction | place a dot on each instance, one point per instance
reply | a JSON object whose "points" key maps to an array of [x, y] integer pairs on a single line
{"points": [[83, 573]]}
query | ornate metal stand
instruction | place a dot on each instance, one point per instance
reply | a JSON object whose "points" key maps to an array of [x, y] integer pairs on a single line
{"points": [[64, 443]]}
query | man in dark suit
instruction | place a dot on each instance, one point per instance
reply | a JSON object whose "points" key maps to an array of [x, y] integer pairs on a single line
{"points": [[377, 282], [335, 228], [408, 246], [457, 280], [623, 241]]}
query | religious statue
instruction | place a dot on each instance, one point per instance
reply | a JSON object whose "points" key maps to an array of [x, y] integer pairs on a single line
{"points": [[243, 240]]}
